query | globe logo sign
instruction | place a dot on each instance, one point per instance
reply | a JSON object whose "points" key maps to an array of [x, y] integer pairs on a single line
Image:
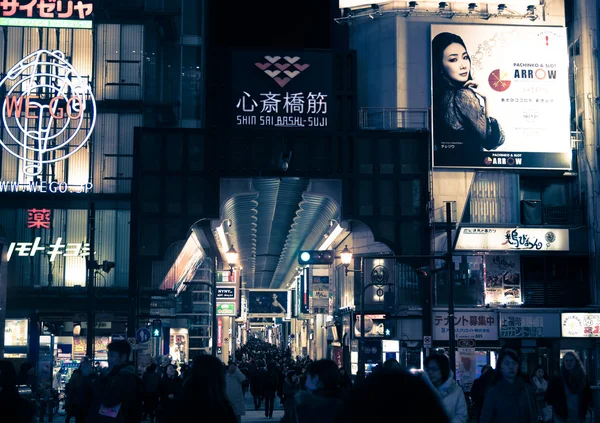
{"points": [[49, 111]]}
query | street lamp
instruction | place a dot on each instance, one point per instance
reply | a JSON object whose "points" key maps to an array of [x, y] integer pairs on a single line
{"points": [[346, 258], [232, 258]]}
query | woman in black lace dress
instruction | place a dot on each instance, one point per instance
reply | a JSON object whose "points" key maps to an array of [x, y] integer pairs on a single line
{"points": [[461, 122]]}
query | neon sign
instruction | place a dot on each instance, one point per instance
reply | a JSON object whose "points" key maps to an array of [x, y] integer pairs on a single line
{"points": [[29, 249], [47, 13], [49, 114], [39, 218]]}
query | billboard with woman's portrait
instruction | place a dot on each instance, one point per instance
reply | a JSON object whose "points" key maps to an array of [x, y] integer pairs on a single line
{"points": [[269, 303], [500, 97]]}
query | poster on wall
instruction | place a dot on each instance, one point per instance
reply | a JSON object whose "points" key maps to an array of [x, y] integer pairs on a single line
{"points": [[15, 333], [500, 97], [503, 279]]}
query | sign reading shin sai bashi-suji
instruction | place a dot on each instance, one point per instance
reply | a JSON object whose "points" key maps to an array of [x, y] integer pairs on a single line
{"points": [[283, 89], [48, 114]]}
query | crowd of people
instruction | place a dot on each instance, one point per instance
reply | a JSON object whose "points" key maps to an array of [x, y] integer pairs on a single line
{"points": [[310, 391]]}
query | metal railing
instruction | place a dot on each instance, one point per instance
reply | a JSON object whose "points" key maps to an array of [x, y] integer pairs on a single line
{"points": [[393, 119]]}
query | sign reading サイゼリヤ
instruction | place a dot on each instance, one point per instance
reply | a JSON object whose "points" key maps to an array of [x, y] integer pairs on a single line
{"points": [[48, 114]]}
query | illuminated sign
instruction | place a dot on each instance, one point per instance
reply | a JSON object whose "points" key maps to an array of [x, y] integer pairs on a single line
{"points": [[39, 218], [29, 249], [503, 279], [47, 13], [220, 332], [226, 309], [15, 333], [267, 303], [505, 104], [282, 90], [513, 239], [580, 325], [226, 293], [479, 325], [49, 114]]}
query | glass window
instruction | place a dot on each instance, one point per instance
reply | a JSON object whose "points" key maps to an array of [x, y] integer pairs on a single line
{"points": [[468, 277]]}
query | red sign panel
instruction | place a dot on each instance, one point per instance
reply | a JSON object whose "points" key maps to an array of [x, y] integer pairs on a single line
{"points": [[39, 218]]}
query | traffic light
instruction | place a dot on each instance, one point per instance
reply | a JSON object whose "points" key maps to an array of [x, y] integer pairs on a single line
{"points": [[156, 328], [316, 257], [389, 328]]}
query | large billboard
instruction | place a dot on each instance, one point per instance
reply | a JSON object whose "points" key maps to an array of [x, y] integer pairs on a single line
{"points": [[500, 97], [268, 303], [282, 89]]}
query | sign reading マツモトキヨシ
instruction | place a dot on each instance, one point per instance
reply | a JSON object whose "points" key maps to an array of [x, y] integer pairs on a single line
{"points": [[48, 114]]}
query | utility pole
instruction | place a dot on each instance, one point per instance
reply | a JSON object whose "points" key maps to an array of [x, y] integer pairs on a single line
{"points": [[451, 335], [91, 268], [214, 309]]}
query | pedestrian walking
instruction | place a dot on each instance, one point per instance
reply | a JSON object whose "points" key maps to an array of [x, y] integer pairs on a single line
{"points": [[510, 399], [569, 394], [233, 387]]}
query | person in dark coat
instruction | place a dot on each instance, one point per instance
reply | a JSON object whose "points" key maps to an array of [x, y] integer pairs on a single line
{"points": [[13, 408], [396, 392], [170, 390], [117, 396], [77, 401], [151, 381], [256, 384], [204, 398], [569, 393], [511, 398], [480, 388]]}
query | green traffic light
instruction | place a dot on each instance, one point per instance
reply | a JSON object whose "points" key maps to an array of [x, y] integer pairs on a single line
{"points": [[305, 256]]}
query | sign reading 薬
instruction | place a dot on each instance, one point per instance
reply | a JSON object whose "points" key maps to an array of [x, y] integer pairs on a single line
{"points": [[282, 90]]}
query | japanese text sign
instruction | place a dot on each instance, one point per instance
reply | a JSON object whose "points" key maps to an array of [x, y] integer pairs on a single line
{"points": [[39, 218], [47, 13], [57, 248], [526, 325], [481, 326], [513, 239], [282, 90], [580, 325]]}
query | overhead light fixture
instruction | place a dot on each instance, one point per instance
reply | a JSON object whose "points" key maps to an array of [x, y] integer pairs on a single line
{"points": [[331, 238], [232, 258], [442, 6], [531, 9], [222, 237], [412, 5], [375, 7], [501, 8], [472, 7]]}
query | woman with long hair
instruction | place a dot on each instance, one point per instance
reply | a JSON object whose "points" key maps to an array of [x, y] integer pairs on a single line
{"points": [[510, 399], [204, 398], [569, 393], [437, 371], [460, 114], [540, 386]]}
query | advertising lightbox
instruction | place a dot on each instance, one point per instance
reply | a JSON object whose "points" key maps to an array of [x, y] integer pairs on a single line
{"points": [[47, 13], [503, 279], [580, 325], [267, 303], [500, 97], [512, 239], [284, 89]]}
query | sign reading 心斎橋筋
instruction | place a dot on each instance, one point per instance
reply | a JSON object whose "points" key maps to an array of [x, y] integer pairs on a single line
{"points": [[48, 114], [47, 13]]}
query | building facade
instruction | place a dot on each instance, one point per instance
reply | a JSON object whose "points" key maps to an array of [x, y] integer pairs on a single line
{"points": [[523, 244], [132, 60]]}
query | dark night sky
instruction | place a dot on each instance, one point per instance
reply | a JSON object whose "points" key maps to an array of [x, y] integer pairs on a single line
{"points": [[270, 23]]}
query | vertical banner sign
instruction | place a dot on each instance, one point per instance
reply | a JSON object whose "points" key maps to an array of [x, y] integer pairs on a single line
{"points": [[466, 363], [500, 97], [319, 293], [503, 279], [220, 332], [282, 89]]}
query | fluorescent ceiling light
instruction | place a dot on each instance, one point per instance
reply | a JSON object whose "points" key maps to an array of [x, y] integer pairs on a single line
{"points": [[222, 239], [332, 236]]}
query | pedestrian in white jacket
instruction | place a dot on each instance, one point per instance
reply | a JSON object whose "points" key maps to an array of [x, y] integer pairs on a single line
{"points": [[438, 373]]}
